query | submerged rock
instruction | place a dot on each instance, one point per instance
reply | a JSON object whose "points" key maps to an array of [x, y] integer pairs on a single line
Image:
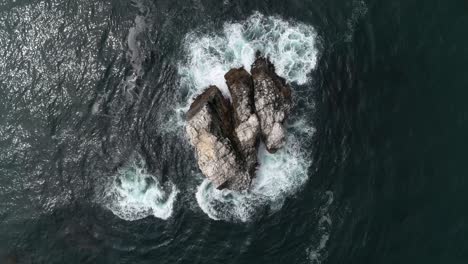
{"points": [[272, 103], [210, 130], [226, 135]]}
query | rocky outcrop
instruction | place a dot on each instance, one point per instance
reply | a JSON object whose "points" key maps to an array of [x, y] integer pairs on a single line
{"points": [[210, 130], [246, 124], [226, 135], [272, 103]]}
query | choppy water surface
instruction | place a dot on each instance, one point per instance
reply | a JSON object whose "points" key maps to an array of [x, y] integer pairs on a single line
{"points": [[95, 166]]}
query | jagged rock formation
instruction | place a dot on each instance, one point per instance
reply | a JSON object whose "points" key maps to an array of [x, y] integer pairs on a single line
{"points": [[247, 126], [210, 130], [226, 135], [272, 103]]}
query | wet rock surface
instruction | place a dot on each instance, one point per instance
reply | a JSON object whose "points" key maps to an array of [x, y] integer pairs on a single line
{"points": [[272, 102], [226, 134], [247, 126], [210, 131]]}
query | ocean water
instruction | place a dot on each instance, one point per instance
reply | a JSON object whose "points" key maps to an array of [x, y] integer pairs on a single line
{"points": [[95, 166]]}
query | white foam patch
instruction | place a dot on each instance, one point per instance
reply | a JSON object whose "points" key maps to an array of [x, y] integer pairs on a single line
{"points": [[317, 253], [136, 53], [280, 175], [291, 46], [358, 12], [134, 194]]}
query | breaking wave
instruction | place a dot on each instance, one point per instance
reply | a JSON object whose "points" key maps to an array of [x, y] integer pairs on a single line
{"points": [[279, 176], [291, 46], [135, 194]]}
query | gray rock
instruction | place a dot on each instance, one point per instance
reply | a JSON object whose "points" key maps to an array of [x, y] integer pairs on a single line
{"points": [[210, 130], [226, 136], [246, 124], [240, 86], [272, 98]]}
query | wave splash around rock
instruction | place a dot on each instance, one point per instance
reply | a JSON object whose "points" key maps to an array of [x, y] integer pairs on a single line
{"points": [[226, 134]]}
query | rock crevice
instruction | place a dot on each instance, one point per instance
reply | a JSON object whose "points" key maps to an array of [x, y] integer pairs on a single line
{"points": [[226, 134]]}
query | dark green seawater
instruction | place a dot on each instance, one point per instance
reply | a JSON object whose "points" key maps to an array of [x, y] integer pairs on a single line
{"points": [[95, 167]]}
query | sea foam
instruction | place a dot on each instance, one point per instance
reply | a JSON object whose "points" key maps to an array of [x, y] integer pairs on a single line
{"points": [[135, 194], [280, 175], [291, 46]]}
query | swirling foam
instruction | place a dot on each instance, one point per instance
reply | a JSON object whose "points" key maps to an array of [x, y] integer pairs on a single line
{"points": [[291, 46], [279, 176], [134, 194], [317, 253]]}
